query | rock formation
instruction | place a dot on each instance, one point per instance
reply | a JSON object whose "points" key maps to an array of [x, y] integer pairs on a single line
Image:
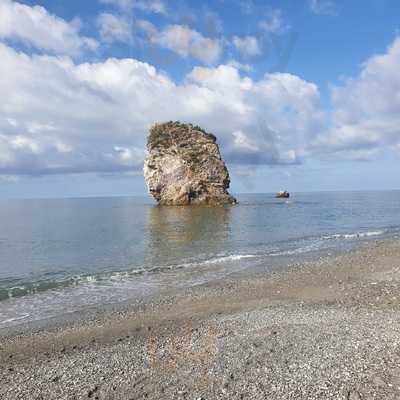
{"points": [[184, 166]]}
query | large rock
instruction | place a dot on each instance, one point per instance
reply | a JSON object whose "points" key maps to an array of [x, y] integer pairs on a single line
{"points": [[184, 166]]}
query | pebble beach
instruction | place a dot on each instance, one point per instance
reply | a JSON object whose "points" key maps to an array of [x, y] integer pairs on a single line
{"points": [[326, 329]]}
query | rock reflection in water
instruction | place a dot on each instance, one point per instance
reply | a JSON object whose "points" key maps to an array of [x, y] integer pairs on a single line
{"points": [[176, 233]]}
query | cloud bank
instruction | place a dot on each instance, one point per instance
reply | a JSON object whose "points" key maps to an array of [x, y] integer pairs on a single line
{"points": [[59, 115], [366, 110]]}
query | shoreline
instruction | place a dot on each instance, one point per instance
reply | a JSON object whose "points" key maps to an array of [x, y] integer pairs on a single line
{"points": [[276, 262], [340, 312]]}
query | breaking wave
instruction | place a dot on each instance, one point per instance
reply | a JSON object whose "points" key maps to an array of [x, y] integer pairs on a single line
{"points": [[12, 289], [30, 288], [355, 235]]}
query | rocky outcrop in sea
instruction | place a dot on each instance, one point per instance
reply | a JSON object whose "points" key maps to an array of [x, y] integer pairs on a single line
{"points": [[184, 166]]}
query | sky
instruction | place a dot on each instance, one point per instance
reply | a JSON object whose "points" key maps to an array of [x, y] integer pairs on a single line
{"points": [[303, 95]]}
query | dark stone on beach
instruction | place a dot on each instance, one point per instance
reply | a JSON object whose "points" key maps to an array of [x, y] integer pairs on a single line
{"points": [[353, 395], [92, 391]]}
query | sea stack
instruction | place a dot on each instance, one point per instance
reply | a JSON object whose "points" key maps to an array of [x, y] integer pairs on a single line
{"points": [[184, 166]]}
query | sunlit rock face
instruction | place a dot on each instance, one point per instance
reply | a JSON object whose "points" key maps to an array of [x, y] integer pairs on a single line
{"points": [[184, 166]]}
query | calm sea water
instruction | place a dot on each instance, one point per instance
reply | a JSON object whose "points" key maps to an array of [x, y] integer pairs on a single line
{"points": [[59, 256]]}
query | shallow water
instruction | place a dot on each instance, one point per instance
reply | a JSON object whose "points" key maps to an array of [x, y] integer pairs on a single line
{"points": [[57, 256]]}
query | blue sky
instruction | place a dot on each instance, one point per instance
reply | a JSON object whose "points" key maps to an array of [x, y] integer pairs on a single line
{"points": [[302, 95]]}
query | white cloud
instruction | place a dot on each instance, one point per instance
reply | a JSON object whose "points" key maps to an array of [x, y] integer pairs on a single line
{"points": [[243, 142], [323, 7], [148, 28], [247, 6], [155, 6], [114, 28], [36, 27], [366, 116], [274, 23], [247, 45], [151, 6], [100, 113], [128, 157], [240, 66], [186, 42]]}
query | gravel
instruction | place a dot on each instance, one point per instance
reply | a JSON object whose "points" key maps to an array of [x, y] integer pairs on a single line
{"points": [[329, 329]]}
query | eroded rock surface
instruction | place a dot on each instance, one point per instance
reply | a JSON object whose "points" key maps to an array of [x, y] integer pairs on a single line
{"points": [[184, 166]]}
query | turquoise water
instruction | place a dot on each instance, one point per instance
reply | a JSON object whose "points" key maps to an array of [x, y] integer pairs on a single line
{"points": [[57, 256]]}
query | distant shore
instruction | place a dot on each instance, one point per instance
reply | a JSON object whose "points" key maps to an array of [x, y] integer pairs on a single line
{"points": [[324, 329]]}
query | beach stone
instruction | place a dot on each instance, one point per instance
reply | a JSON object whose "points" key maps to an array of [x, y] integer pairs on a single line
{"points": [[184, 166], [353, 395], [92, 391], [378, 381]]}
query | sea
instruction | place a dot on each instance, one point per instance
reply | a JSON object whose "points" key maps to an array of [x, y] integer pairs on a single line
{"points": [[59, 257]]}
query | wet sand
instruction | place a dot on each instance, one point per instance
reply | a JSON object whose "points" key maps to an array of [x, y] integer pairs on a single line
{"points": [[328, 329]]}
